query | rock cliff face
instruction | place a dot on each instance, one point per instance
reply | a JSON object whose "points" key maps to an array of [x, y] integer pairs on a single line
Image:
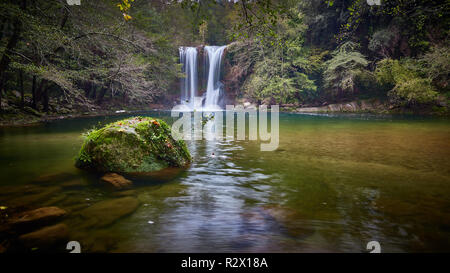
{"points": [[134, 145]]}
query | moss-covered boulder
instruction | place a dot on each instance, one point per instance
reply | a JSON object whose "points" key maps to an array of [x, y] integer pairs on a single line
{"points": [[134, 145]]}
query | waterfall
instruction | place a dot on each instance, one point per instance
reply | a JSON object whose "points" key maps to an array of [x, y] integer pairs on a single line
{"points": [[214, 86], [211, 100], [188, 57]]}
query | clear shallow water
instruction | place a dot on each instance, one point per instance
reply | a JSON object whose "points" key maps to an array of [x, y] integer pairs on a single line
{"points": [[334, 184]]}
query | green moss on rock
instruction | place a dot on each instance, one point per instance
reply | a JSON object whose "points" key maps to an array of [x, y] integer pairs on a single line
{"points": [[133, 145]]}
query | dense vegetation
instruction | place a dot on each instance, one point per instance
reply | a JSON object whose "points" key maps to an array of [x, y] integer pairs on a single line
{"points": [[334, 51], [57, 58]]}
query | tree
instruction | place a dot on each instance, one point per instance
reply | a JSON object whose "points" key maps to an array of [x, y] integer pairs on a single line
{"points": [[341, 70]]}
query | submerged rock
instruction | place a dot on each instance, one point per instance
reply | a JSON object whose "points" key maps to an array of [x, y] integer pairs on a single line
{"points": [[134, 145], [34, 196], [37, 217], [107, 212], [74, 184], [116, 180], [125, 193], [55, 178], [291, 220], [45, 237]]}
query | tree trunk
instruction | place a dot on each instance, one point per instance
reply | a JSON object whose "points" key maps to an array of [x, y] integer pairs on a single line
{"points": [[33, 93], [6, 58], [2, 27], [39, 90], [1, 98], [88, 88], [101, 95], [64, 18], [94, 93], [22, 99], [45, 98]]}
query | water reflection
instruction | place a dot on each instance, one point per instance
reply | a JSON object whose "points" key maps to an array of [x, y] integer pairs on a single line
{"points": [[334, 184], [211, 214]]}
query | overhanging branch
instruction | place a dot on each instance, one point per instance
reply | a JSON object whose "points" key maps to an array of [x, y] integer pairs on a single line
{"points": [[110, 35]]}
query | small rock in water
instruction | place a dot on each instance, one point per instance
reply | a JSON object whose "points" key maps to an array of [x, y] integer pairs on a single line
{"points": [[37, 217], [116, 180], [45, 237], [105, 213]]}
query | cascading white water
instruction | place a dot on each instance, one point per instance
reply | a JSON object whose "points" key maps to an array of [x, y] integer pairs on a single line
{"points": [[188, 57], [213, 89], [189, 84]]}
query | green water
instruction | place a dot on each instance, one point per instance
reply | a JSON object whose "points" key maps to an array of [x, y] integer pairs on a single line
{"points": [[334, 184]]}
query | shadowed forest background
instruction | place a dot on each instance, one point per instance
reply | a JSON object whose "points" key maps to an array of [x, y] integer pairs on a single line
{"points": [[58, 59]]}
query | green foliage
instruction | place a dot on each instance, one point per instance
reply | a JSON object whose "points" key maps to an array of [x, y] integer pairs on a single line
{"points": [[435, 64], [84, 55], [341, 70], [408, 86], [383, 42], [274, 90], [279, 74], [414, 91], [367, 85], [417, 21]]}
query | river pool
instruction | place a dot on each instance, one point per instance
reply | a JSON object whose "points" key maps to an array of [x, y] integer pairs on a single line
{"points": [[335, 183]]}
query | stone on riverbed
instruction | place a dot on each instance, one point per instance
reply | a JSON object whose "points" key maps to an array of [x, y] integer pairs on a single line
{"points": [[26, 199], [116, 180], [292, 221], [125, 193], [107, 212], [37, 217], [26, 195], [55, 178], [45, 237], [134, 145]]}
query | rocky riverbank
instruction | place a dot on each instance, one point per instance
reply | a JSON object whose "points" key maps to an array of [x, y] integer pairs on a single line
{"points": [[374, 106], [349, 107], [27, 116]]}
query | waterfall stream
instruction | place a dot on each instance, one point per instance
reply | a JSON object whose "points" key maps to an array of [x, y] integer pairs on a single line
{"points": [[213, 97], [214, 87], [188, 57]]}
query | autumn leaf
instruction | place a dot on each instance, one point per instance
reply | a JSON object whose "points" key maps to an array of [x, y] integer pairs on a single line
{"points": [[126, 17]]}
